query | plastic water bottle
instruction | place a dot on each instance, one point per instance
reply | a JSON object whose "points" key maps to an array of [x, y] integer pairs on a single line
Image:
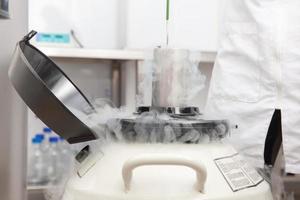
{"points": [[41, 137], [47, 130], [65, 157], [43, 144], [64, 147], [53, 160], [47, 134], [37, 167]]}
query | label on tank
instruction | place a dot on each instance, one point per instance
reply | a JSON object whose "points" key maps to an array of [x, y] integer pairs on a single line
{"points": [[237, 172]]}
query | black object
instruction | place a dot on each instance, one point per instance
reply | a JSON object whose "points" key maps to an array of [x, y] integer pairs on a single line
{"points": [[173, 111], [83, 154], [133, 129], [274, 139], [49, 93]]}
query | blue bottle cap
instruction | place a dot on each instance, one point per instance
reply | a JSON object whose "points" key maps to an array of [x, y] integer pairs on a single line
{"points": [[53, 139], [47, 130], [40, 136], [36, 140]]}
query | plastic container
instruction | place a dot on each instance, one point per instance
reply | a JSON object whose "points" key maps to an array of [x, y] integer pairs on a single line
{"points": [[65, 157], [53, 159], [37, 166], [41, 137]]}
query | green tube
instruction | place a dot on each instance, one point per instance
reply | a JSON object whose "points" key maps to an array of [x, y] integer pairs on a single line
{"points": [[168, 10]]}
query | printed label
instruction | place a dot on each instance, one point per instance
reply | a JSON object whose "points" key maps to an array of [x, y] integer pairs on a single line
{"points": [[238, 173]]}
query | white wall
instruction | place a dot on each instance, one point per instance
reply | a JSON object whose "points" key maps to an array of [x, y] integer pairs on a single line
{"points": [[12, 115], [95, 22], [130, 23], [193, 24]]}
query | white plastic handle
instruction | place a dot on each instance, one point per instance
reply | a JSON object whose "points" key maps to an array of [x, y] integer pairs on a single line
{"points": [[154, 159]]}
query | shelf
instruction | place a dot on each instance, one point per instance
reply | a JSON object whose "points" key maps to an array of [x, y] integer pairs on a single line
{"points": [[209, 57], [111, 54], [38, 187], [93, 53]]}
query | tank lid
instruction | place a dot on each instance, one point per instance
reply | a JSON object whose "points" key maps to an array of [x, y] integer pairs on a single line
{"points": [[49, 93]]}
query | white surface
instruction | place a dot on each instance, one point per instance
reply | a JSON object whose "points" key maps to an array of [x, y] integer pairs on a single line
{"points": [[95, 22], [104, 180], [13, 112], [193, 24], [130, 23], [114, 54], [38, 187], [93, 53]]}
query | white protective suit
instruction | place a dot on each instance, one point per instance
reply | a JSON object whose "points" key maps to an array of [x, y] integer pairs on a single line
{"points": [[258, 70]]}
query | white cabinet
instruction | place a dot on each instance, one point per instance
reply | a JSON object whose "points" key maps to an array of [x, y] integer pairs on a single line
{"points": [[194, 24]]}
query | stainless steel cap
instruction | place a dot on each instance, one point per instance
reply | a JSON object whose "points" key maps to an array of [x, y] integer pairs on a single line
{"points": [[49, 93]]}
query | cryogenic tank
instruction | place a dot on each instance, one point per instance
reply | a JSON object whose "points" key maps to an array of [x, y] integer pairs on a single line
{"points": [[157, 153], [212, 171]]}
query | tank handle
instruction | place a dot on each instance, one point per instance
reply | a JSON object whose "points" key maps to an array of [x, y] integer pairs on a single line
{"points": [[154, 159]]}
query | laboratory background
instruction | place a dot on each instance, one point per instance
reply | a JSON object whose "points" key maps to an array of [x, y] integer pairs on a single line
{"points": [[149, 100]]}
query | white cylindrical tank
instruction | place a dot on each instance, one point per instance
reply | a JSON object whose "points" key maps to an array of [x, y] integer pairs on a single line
{"points": [[166, 171]]}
